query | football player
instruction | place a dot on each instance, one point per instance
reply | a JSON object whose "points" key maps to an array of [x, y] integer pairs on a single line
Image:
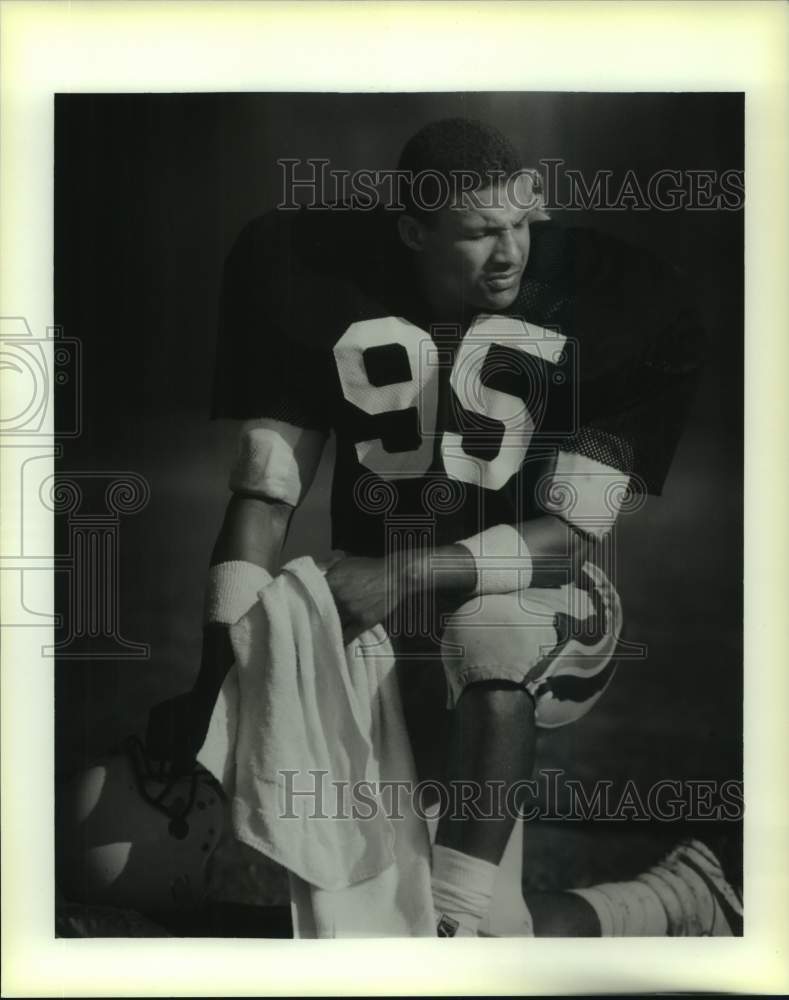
{"points": [[499, 388]]}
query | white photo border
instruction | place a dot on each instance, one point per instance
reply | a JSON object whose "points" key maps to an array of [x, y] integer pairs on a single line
{"points": [[251, 46]]}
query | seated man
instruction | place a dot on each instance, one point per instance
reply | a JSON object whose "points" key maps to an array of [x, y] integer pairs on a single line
{"points": [[498, 388]]}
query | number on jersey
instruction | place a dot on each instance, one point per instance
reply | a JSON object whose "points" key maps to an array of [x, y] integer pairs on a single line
{"points": [[412, 358]]}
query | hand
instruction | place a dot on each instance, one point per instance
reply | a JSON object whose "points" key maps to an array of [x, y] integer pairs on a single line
{"points": [[177, 727], [365, 593], [362, 592], [176, 731]]}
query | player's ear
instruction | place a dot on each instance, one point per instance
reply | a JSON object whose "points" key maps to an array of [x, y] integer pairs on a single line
{"points": [[412, 232], [532, 191]]}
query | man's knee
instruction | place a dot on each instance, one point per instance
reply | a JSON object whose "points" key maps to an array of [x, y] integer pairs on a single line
{"points": [[496, 639]]}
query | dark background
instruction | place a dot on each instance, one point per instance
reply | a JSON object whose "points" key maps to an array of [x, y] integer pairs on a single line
{"points": [[150, 192]]}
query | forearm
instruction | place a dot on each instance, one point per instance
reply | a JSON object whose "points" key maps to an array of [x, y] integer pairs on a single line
{"points": [[557, 551], [274, 467], [556, 554], [253, 531], [447, 568]]}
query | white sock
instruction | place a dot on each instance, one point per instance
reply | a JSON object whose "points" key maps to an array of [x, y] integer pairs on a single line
{"points": [[672, 898], [462, 889], [697, 909], [626, 909]]}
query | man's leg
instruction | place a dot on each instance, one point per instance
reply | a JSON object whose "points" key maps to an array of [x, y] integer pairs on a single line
{"points": [[504, 657], [686, 894], [561, 914], [491, 741], [491, 747]]}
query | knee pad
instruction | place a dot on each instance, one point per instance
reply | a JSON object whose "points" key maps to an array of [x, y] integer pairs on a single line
{"points": [[558, 644], [495, 637]]}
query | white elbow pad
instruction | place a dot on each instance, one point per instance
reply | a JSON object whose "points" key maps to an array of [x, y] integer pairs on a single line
{"points": [[503, 560], [585, 493], [275, 460]]}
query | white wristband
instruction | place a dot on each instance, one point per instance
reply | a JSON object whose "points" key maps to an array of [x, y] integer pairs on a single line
{"points": [[232, 590], [502, 558]]}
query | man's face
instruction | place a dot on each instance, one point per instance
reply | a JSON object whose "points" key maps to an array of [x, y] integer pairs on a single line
{"points": [[474, 254]]}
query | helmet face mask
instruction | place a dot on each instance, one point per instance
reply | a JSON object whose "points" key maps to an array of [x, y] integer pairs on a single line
{"points": [[172, 796], [133, 837]]}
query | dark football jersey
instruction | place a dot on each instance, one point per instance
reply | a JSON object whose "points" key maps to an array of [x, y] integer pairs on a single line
{"points": [[443, 431]]}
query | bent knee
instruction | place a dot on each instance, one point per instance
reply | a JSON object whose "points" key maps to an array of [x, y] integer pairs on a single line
{"points": [[497, 637], [535, 639]]}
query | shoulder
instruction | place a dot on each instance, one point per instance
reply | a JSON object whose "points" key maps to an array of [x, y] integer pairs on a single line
{"points": [[306, 273], [617, 299], [294, 282], [589, 261]]}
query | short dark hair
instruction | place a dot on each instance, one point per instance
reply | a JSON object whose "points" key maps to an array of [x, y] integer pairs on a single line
{"points": [[447, 148]]}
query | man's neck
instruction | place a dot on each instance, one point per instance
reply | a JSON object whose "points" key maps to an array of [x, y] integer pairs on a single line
{"points": [[442, 310]]}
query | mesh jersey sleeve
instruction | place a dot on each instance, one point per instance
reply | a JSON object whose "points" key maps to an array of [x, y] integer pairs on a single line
{"points": [[266, 365], [639, 428], [609, 449]]}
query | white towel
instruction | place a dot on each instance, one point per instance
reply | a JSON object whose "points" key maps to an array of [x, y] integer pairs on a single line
{"points": [[297, 701]]}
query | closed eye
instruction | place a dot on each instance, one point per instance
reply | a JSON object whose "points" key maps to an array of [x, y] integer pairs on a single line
{"points": [[481, 234]]}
